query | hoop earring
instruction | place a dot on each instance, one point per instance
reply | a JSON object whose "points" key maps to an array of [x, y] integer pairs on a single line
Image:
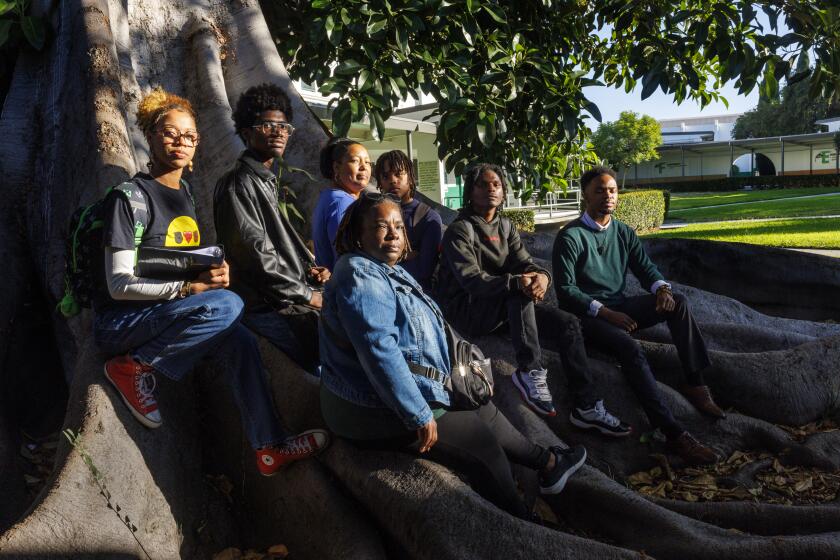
{"points": [[190, 166]]}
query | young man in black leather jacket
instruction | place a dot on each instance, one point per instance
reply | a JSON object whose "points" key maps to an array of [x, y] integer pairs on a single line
{"points": [[271, 267]]}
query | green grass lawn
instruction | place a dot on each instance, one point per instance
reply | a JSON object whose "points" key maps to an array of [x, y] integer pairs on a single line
{"points": [[812, 234], [684, 201], [788, 208]]}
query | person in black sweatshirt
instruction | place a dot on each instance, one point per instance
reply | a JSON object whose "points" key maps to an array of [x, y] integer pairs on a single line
{"points": [[487, 279], [591, 258]]}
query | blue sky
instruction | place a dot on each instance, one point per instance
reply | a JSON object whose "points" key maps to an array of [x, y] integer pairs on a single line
{"points": [[611, 102]]}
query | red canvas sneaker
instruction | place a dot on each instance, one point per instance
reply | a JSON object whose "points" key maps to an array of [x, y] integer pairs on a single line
{"points": [[135, 383], [301, 446]]}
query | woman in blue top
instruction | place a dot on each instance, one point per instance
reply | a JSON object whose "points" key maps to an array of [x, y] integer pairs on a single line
{"points": [[375, 318], [347, 164]]}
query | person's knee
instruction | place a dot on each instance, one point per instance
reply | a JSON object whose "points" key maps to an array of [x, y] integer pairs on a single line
{"points": [[226, 306]]}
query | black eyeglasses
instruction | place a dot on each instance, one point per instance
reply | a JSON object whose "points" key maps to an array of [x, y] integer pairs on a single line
{"points": [[275, 127], [189, 138], [374, 196]]}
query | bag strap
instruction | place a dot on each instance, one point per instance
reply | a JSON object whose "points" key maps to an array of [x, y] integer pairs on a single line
{"points": [[139, 208], [419, 213]]}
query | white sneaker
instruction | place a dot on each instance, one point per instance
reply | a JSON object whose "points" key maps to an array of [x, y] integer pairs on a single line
{"points": [[534, 390], [598, 418]]}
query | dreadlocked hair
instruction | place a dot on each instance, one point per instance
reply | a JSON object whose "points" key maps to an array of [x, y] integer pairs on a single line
{"points": [[255, 100], [474, 173], [395, 161], [348, 239], [154, 106]]}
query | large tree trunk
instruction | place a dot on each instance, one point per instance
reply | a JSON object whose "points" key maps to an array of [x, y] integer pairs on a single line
{"points": [[67, 132]]}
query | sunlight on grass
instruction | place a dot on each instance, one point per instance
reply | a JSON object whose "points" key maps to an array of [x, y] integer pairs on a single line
{"points": [[788, 208], [683, 201], [814, 234]]}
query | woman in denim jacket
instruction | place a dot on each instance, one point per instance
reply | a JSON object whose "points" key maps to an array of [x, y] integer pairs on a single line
{"points": [[375, 318]]}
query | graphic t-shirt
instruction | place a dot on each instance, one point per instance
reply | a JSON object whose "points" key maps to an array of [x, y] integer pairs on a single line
{"points": [[172, 220]]}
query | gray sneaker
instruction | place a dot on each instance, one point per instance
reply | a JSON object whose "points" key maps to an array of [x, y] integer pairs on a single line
{"points": [[567, 462], [534, 390], [598, 418]]}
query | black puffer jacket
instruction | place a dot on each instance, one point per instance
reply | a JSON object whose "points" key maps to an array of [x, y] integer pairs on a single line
{"points": [[268, 260]]}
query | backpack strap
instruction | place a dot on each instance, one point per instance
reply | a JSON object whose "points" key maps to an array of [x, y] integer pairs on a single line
{"points": [[420, 213], [139, 208]]}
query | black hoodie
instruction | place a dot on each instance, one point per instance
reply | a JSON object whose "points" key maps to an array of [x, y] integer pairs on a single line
{"points": [[481, 259]]}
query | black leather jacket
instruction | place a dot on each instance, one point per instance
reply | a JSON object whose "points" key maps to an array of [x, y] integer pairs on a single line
{"points": [[269, 262]]}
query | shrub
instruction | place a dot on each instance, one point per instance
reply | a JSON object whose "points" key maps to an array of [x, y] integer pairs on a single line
{"points": [[522, 219], [667, 194], [642, 210]]}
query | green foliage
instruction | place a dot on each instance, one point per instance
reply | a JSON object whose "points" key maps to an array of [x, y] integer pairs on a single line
{"points": [[641, 210], [522, 219], [666, 194], [286, 197], [738, 183], [509, 76], [792, 113], [14, 20], [630, 140]]}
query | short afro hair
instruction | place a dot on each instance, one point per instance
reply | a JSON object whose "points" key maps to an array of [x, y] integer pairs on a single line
{"points": [[591, 174], [264, 97], [474, 173]]}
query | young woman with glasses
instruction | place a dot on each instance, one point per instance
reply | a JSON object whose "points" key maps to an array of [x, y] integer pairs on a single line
{"points": [[164, 326]]}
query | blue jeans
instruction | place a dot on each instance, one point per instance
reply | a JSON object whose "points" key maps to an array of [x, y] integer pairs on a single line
{"points": [[295, 335], [172, 336]]}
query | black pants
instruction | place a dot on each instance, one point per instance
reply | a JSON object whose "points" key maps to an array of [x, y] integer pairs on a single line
{"points": [[527, 322], [479, 444], [686, 336]]}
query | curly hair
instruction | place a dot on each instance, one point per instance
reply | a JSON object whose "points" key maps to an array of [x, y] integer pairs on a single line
{"points": [[596, 171], [156, 104], [255, 100], [332, 152], [474, 173], [398, 161], [348, 239]]}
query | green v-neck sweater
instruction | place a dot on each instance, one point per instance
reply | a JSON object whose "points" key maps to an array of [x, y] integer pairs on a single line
{"points": [[593, 264]]}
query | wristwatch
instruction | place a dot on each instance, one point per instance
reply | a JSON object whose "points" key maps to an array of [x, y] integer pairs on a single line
{"points": [[185, 289]]}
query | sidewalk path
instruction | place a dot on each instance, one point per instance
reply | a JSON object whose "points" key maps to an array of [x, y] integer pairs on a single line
{"points": [[678, 224]]}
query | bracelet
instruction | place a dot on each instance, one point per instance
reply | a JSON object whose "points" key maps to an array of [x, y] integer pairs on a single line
{"points": [[185, 289], [664, 287]]}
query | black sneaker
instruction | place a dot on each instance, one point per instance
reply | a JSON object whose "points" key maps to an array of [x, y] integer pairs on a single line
{"points": [[534, 390], [598, 418], [568, 461]]}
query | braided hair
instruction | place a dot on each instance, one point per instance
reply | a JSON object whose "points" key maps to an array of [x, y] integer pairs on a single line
{"points": [[474, 173], [348, 239], [396, 161]]}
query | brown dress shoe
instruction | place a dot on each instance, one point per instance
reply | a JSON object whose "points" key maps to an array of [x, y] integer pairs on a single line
{"points": [[701, 398], [691, 451]]}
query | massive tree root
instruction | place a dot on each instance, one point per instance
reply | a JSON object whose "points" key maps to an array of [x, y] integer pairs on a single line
{"points": [[190, 488]]}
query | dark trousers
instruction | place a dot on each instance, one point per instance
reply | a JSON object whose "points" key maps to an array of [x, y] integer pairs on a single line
{"points": [[527, 321], [479, 443], [686, 336], [296, 334]]}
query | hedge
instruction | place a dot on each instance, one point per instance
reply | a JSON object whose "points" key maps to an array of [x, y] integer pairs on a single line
{"points": [[643, 210], [522, 219], [737, 183]]}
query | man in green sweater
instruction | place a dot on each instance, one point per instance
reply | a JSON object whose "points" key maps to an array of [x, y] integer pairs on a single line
{"points": [[591, 257]]}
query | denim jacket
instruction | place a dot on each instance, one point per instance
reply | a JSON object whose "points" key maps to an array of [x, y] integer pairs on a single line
{"points": [[384, 314]]}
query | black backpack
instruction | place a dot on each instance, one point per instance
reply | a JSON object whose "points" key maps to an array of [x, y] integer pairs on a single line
{"points": [[84, 274]]}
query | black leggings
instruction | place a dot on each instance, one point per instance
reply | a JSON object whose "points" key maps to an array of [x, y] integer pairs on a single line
{"points": [[479, 444]]}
